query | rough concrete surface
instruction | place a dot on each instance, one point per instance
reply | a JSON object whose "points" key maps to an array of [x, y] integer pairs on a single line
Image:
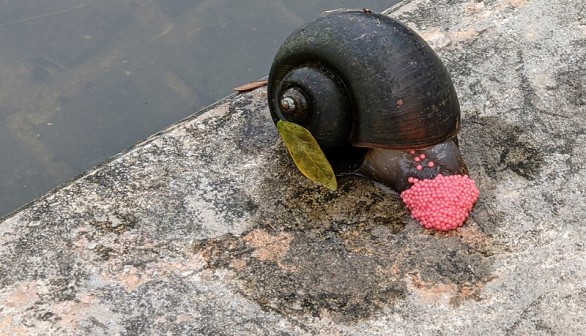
{"points": [[207, 228]]}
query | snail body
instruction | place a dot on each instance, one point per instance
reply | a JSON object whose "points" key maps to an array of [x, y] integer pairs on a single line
{"points": [[373, 93]]}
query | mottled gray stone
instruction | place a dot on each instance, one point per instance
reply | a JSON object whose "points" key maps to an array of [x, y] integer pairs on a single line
{"points": [[208, 228]]}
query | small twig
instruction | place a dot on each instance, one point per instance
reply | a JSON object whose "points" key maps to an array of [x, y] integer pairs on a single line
{"points": [[42, 16], [251, 86], [55, 63]]}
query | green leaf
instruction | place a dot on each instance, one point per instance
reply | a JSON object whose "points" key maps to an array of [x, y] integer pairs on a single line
{"points": [[307, 154]]}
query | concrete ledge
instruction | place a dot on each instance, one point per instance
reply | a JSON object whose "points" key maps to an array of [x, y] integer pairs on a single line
{"points": [[208, 228]]}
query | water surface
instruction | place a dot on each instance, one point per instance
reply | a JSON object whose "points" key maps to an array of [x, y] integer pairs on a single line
{"points": [[82, 80]]}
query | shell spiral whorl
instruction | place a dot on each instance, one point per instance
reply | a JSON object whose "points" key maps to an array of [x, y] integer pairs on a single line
{"points": [[394, 82]]}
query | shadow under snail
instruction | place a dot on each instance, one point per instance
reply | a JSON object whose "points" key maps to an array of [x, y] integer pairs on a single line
{"points": [[380, 104]]}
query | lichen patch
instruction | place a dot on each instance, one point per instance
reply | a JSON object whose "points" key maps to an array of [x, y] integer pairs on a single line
{"points": [[350, 275], [445, 293], [268, 247]]}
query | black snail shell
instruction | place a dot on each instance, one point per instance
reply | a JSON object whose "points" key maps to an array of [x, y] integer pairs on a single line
{"points": [[358, 81]]}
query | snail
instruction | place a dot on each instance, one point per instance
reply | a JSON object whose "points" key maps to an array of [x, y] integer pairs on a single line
{"points": [[380, 104]]}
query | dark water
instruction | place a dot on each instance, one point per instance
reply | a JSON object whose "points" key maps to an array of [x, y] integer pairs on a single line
{"points": [[82, 80]]}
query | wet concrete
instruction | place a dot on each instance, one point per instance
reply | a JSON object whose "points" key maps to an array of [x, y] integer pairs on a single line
{"points": [[208, 228]]}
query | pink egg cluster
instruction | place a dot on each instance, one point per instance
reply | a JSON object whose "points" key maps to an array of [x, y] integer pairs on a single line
{"points": [[442, 203], [420, 158]]}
